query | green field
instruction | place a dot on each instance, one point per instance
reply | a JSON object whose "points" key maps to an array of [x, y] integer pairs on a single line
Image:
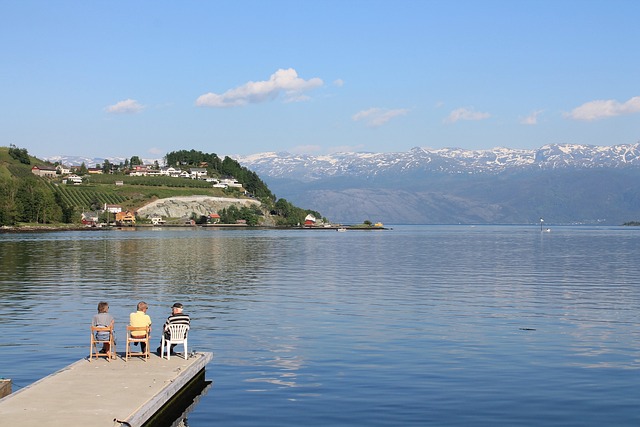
{"points": [[130, 195]]}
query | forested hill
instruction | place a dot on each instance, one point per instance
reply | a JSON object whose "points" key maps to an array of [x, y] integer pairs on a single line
{"points": [[222, 168], [27, 198]]}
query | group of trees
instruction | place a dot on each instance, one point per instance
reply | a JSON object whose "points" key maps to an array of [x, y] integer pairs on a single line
{"points": [[227, 167], [290, 215], [19, 154], [231, 215], [30, 200], [108, 167]]}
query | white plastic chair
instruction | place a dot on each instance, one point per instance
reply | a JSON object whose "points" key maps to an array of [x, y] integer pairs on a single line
{"points": [[177, 335]]}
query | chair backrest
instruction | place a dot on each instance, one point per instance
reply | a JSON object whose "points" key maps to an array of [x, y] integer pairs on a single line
{"points": [[95, 329], [138, 329], [177, 331]]}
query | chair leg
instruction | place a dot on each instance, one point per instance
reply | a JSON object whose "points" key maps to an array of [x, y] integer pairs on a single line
{"points": [[186, 354]]}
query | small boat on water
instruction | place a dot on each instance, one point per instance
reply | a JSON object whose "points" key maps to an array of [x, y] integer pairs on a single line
{"points": [[342, 229]]}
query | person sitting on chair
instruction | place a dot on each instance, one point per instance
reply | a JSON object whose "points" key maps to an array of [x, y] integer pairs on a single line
{"points": [[176, 317], [103, 320], [140, 318]]}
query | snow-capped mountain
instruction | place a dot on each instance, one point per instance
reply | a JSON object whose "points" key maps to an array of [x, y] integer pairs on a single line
{"points": [[445, 160], [563, 183]]}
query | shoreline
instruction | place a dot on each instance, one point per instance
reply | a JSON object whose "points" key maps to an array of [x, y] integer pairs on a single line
{"points": [[51, 228]]}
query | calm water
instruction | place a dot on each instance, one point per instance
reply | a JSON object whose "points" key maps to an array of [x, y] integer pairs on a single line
{"points": [[419, 325]]}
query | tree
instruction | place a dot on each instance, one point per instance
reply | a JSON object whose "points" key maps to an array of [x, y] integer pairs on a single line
{"points": [[106, 166], [19, 154], [135, 161], [36, 203], [8, 209]]}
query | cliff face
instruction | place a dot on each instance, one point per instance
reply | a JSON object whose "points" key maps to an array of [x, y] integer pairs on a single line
{"points": [[179, 207]]}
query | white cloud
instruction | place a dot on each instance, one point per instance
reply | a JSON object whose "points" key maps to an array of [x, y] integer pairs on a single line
{"points": [[374, 117], [600, 109], [465, 114], [531, 119], [128, 106], [282, 81], [338, 82]]}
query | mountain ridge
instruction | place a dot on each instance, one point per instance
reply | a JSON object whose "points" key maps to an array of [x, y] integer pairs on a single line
{"points": [[567, 183], [446, 160]]}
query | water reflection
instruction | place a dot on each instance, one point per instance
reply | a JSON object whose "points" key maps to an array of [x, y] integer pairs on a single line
{"points": [[487, 319]]}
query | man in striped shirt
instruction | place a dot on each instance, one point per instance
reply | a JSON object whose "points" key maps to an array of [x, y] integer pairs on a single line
{"points": [[177, 317]]}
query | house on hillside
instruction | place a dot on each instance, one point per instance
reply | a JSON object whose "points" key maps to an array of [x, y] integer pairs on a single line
{"points": [[63, 170], [125, 218], [113, 208], [197, 173], [230, 182], [44, 171], [73, 179], [170, 171], [90, 219], [214, 218], [139, 170]]}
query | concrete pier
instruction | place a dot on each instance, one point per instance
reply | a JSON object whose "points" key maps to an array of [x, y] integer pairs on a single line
{"points": [[101, 392]]}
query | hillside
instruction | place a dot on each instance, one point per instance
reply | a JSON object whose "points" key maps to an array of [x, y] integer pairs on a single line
{"points": [[26, 198]]}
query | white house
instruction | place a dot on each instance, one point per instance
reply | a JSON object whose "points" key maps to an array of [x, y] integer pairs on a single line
{"points": [[113, 208], [73, 179], [230, 182], [198, 173], [169, 171], [64, 170]]}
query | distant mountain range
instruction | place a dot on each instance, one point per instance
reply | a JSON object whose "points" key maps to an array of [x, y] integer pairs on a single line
{"points": [[562, 183]]}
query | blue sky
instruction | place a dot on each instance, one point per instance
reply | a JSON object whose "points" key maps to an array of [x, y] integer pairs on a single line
{"points": [[123, 78]]}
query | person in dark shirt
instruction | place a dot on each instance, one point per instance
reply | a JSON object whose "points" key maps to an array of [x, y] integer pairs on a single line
{"points": [[177, 317]]}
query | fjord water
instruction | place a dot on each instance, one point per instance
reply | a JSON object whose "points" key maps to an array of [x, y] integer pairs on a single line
{"points": [[417, 325]]}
